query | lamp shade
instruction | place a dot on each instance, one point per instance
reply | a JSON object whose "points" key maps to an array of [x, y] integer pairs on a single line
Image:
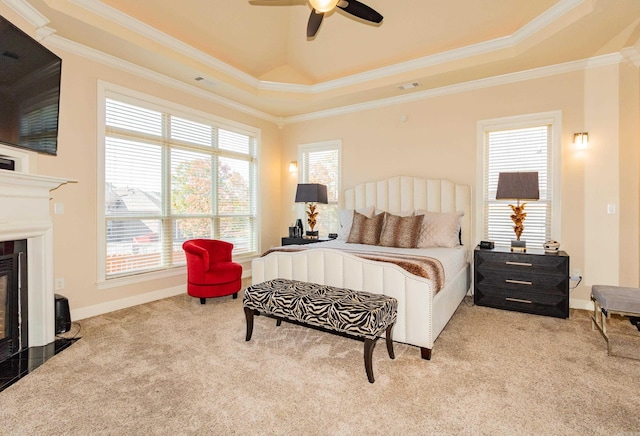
{"points": [[311, 193], [518, 186]]}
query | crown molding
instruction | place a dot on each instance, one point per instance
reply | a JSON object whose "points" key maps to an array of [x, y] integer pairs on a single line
{"points": [[631, 54], [137, 26], [129, 67], [504, 79], [28, 12], [536, 73]]}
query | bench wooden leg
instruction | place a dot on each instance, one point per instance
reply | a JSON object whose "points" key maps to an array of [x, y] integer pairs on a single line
{"points": [[248, 313], [369, 344], [390, 342], [425, 353]]}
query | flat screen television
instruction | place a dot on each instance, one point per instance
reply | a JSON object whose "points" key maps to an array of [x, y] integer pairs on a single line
{"points": [[29, 91]]}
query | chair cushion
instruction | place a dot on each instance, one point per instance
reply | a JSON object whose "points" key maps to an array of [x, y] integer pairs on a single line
{"points": [[219, 272], [617, 298]]}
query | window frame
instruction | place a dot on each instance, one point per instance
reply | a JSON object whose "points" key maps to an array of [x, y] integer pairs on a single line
{"points": [[335, 144], [108, 90], [552, 118]]}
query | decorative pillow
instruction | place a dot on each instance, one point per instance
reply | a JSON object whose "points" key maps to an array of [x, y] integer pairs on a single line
{"points": [[346, 220], [365, 230], [440, 229], [400, 231]]}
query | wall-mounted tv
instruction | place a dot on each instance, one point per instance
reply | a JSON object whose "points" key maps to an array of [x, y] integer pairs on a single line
{"points": [[29, 91]]}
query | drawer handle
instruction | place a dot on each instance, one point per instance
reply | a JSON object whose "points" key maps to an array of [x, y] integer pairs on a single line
{"points": [[518, 300], [519, 263], [518, 282]]}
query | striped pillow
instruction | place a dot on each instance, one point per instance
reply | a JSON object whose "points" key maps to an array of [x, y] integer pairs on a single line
{"points": [[402, 232], [365, 230]]}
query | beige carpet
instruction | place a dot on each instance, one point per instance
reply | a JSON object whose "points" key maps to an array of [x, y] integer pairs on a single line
{"points": [[176, 367]]}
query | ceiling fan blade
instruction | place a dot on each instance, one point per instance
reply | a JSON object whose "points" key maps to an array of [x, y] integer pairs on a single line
{"points": [[360, 10], [315, 19]]}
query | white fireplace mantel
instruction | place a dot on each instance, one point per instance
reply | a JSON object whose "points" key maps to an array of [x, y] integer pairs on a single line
{"points": [[24, 214]]}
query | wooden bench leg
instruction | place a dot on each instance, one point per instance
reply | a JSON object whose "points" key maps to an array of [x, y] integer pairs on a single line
{"points": [[248, 313], [390, 342], [369, 344]]}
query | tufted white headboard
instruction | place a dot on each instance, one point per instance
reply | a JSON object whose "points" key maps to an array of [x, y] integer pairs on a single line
{"points": [[404, 193]]}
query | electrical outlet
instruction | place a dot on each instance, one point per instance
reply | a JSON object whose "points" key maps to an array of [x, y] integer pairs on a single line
{"points": [[575, 275], [59, 284]]}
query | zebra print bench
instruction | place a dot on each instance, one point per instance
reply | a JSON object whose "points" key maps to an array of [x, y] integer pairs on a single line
{"points": [[352, 313]]}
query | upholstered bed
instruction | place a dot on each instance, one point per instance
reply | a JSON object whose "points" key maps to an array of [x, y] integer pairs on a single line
{"points": [[423, 309]]}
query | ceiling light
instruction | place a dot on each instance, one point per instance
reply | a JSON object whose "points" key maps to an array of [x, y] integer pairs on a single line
{"points": [[204, 81], [323, 5], [409, 86]]}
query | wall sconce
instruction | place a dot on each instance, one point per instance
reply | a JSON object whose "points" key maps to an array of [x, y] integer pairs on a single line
{"points": [[293, 166], [581, 140]]}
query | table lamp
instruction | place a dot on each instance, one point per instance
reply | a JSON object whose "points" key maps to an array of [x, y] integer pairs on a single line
{"points": [[518, 186], [311, 193]]}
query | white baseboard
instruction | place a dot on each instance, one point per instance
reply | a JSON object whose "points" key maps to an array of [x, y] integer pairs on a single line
{"points": [[575, 303], [123, 303]]}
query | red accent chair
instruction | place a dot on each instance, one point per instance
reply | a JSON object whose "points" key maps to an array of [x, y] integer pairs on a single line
{"points": [[210, 270]]}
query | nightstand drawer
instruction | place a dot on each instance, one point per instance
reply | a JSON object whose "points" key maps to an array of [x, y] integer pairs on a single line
{"points": [[511, 299], [523, 263], [523, 281], [533, 282]]}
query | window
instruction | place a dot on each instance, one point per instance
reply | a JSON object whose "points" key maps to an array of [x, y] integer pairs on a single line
{"points": [[170, 176], [321, 164], [528, 143]]}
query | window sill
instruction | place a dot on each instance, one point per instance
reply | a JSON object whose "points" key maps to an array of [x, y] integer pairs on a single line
{"points": [[139, 278], [157, 275]]}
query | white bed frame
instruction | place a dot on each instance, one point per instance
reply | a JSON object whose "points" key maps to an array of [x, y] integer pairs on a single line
{"points": [[421, 315]]}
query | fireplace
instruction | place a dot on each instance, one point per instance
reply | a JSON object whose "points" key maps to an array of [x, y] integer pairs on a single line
{"points": [[13, 298], [25, 217]]}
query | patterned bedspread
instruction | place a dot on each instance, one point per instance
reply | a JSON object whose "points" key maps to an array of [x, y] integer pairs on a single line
{"points": [[421, 266]]}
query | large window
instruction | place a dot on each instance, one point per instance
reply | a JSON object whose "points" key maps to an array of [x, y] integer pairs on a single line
{"points": [[528, 143], [321, 164], [170, 176]]}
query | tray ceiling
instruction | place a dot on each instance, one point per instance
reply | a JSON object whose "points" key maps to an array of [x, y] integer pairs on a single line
{"points": [[259, 56]]}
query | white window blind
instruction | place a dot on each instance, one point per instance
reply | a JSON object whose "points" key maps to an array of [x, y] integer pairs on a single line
{"points": [[168, 179], [518, 150], [321, 164]]}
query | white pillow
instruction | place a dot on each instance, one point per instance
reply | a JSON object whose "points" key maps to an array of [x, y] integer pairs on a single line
{"points": [[439, 229], [346, 220]]}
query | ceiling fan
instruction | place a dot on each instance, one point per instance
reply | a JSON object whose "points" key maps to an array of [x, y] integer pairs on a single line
{"points": [[320, 7]]}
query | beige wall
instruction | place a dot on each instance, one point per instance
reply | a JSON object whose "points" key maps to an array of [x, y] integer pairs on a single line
{"points": [[439, 139], [75, 231]]}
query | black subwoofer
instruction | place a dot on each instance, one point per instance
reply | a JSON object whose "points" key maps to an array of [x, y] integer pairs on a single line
{"points": [[63, 316]]}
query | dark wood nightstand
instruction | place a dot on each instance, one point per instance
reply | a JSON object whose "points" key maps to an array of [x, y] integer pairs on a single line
{"points": [[300, 241], [532, 282]]}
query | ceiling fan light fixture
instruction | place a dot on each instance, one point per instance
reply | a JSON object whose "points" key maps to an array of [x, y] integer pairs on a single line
{"points": [[324, 5]]}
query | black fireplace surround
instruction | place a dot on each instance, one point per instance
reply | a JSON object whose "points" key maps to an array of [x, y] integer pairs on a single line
{"points": [[13, 298]]}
